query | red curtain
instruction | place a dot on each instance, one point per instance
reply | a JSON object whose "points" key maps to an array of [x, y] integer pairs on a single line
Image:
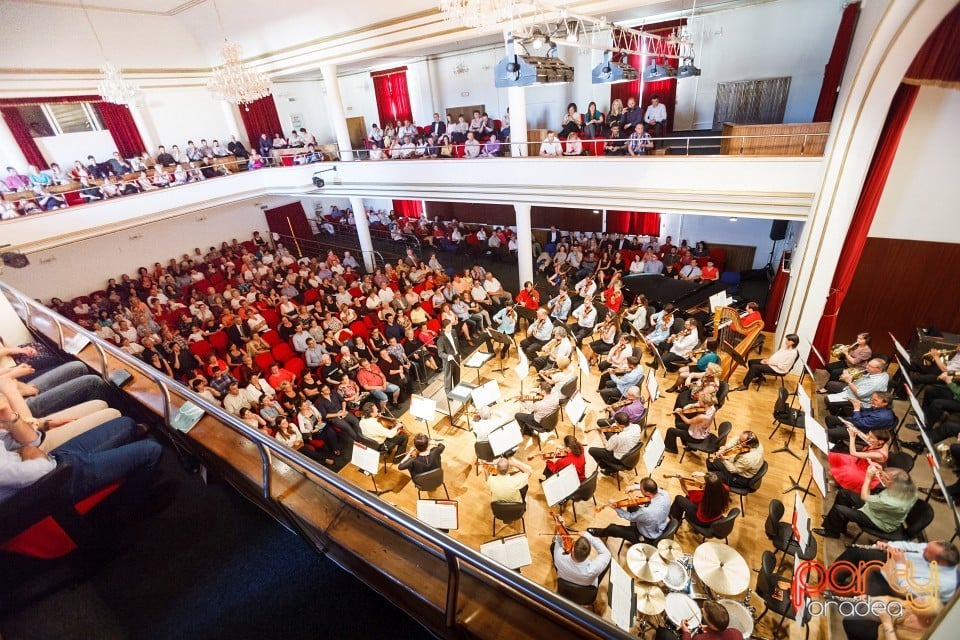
{"points": [[938, 61], [623, 90], [408, 208], [833, 72], [856, 238], [665, 90], [116, 118], [633, 222], [21, 133], [260, 116], [393, 96]]}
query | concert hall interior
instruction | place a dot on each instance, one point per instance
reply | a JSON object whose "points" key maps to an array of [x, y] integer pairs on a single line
{"points": [[414, 345]]}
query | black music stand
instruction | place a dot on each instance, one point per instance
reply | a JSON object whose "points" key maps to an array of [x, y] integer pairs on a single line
{"points": [[530, 315], [503, 339]]}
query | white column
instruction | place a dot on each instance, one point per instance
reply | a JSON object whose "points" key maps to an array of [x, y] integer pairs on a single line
{"points": [[337, 116], [524, 242], [518, 120], [231, 116], [148, 132], [10, 154], [363, 229]]}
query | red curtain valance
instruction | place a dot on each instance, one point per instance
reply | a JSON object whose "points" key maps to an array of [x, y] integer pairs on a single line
{"points": [[633, 222], [17, 102], [938, 61], [408, 208]]}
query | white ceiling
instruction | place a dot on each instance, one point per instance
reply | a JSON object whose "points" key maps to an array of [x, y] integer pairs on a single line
{"points": [[150, 7]]}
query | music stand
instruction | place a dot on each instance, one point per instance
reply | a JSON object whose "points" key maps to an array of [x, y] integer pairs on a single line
{"points": [[823, 363], [424, 409], [503, 339], [659, 360], [476, 361]]}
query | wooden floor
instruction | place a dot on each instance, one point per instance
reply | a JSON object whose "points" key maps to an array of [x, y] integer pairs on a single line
{"points": [[746, 410]]}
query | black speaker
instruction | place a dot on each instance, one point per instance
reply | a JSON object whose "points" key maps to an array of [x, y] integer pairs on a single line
{"points": [[778, 230]]}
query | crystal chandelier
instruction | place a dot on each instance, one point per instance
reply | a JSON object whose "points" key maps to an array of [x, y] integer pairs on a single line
{"points": [[234, 82], [476, 13], [113, 86]]}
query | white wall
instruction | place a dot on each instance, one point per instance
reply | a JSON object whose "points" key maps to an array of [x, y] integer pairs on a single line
{"points": [[772, 39], [923, 178], [359, 101], [751, 232], [308, 99], [55, 273], [70, 147], [185, 113]]}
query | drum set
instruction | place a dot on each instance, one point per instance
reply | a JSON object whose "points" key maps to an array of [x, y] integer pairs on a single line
{"points": [[714, 569]]}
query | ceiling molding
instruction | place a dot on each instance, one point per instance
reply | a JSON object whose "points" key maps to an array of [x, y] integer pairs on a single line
{"points": [[180, 8]]}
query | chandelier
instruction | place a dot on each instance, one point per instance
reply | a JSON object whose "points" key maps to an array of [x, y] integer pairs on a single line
{"points": [[476, 13], [234, 82], [113, 87]]}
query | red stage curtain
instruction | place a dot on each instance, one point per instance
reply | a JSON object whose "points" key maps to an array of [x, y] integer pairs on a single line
{"points": [[393, 97], [21, 133], [408, 208], [833, 72], [633, 222], [856, 238], [666, 90], [260, 116], [938, 61], [117, 120], [624, 90]]}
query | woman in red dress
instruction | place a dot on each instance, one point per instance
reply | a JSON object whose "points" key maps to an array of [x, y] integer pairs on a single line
{"points": [[573, 456], [849, 469]]}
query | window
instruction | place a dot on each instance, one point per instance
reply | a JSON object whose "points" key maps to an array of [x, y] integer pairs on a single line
{"points": [[36, 119], [54, 119]]}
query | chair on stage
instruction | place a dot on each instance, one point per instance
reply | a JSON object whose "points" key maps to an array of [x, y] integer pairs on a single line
{"points": [[586, 491], [721, 528], [775, 593], [628, 462], [508, 512], [585, 596], [484, 453], [549, 424], [430, 481], [710, 444], [566, 391], [759, 379], [919, 518], [785, 415], [752, 486], [781, 535], [671, 530]]}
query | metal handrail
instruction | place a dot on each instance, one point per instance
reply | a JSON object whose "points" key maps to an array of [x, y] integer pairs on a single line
{"points": [[453, 551], [307, 246]]}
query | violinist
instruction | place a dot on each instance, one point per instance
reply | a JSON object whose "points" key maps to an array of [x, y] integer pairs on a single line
{"points": [[737, 470], [632, 405], [662, 322], [615, 388], [705, 501], [529, 297], [560, 346], [506, 486], [577, 566], [697, 418], [618, 445], [572, 455], [681, 345], [608, 338], [538, 334], [534, 412], [707, 363], [648, 522]]}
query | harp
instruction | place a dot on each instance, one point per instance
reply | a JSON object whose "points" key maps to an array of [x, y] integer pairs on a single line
{"points": [[734, 339]]}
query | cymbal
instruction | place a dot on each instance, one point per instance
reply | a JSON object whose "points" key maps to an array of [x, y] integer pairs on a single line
{"points": [[650, 600], [669, 550], [645, 563], [721, 568]]}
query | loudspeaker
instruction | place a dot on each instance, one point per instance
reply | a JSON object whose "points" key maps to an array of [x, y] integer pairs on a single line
{"points": [[778, 230]]}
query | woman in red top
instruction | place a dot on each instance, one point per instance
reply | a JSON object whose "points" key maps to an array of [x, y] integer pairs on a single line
{"points": [[573, 456], [613, 297], [704, 503], [709, 272]]}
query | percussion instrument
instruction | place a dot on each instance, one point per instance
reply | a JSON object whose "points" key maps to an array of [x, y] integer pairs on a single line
{"points": [[677, 577], [650, 600], [669, 550], [740, 617], [721, 568], [645, 563], [680, 607]]}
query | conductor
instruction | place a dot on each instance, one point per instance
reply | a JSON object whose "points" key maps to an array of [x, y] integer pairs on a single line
{"points": [[449, 352]]}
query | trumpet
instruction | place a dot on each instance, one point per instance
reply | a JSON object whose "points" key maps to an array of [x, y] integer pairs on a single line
{"points": [[943, 355], [837, 350]]}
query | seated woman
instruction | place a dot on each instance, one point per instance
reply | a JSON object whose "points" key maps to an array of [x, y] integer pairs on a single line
{"points": [[705, 501], [573, 146], [850, 469], [707, 364], [572, 454], [592, 122], [572, 122], [697, 418]]}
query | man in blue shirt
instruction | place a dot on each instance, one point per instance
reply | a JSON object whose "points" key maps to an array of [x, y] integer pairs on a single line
{"points": [[648, 522], [618, 386], [876, 415]]}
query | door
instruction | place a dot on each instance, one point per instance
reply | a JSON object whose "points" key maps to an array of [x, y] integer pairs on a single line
{"points": [[289, 222], [357, 129]]}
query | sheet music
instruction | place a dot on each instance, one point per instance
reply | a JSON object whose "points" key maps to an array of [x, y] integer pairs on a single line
{"points": [[906, 373], [903, 352], [423, 408], [653, 452], [622, 597], [75, 344], [719, 299], [523, 367], [512, 551], [801, 521], [187, 417], [576, 407], [917, 411], [817, 472], [365, 458], [487, 393], [477, 360], [803, 400], [440, 514], [653, 387], [582, 360], [840, 396], [505, 438], [816, 434], [560, 485]]}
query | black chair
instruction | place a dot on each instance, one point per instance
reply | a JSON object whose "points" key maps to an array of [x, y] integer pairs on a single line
{"points": [[752, 486], [578, 594], [430, 481], [775, 593], [508, 512], [901, 460], [919, 518], [710, 444], [484, 452], [721, 528], [785, 415], [584, 492], [723, 390], [781, 535], [549, 424], [628, 462], [672, 525], [780, 376]]}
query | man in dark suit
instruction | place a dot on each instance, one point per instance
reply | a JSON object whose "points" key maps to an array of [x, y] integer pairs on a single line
{"points": [[449, 352], [554, 237], [437, 127]]}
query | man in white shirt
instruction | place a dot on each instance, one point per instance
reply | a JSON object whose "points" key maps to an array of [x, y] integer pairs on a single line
{"points": [[488, 419], [235, 400], [560, 306], [471, 148], [690, 272], [577, 566], [586, 288], [586, 317], [535, 412], [495, 290], [681, 344], [551, 147], [617, 445], [656, 115]]}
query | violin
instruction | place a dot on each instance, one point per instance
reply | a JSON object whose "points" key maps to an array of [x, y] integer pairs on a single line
{"points": [[689, 411], [490, 468], [566, 538], [639, 500], [733, 450], [556, 454]]}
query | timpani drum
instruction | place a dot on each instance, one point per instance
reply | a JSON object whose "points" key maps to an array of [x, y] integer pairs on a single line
{"points": [[740, 618], [682, 607]]}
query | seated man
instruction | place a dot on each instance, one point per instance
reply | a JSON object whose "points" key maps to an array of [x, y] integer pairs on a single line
{"points": [[488, 419], [59, 388], [877, 415], [586, 317], [737, 470], [875, 379], [534, 412], [939, 399], [911, 568], [616, 145], [648, 521], [885, 510], [387, 439], [618, 385], [617, 445], [419, 459], [551, 147], [633, 408], [506, 486], [371, 379], [577, 566]]}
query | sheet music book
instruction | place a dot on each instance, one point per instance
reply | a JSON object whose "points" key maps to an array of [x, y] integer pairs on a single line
{"points": [[440, 514], [187, 417], [801, 521], [903, 352], [512, 552], [816, 434], [653, 387], [523, 367], [653, 453], [477, 360], [505, 438], [622, 597], [817, 472], [576, 407], [560, 485], [423, 408], [485, 394], [75, 344], [365, 458], [804, 400], [582, 360]]}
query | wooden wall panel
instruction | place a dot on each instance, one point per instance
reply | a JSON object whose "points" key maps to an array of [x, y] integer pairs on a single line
{"points": [[900, 285]]}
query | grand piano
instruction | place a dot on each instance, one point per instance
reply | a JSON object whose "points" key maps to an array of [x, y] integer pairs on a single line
{"points": [[659, 290]]}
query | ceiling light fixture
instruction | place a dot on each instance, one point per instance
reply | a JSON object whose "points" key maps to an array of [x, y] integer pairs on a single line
{"points": [[232, 81], [113, 87], [610, 72]]}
